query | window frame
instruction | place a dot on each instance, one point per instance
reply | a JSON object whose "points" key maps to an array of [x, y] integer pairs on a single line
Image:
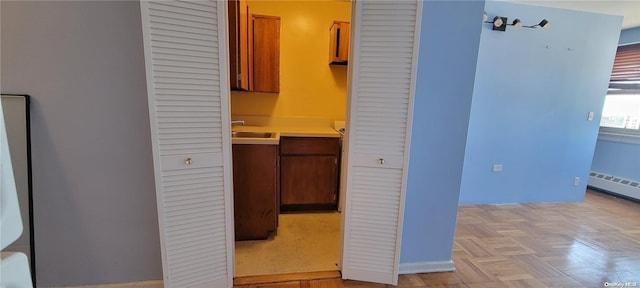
{"points": [[619, 73]]}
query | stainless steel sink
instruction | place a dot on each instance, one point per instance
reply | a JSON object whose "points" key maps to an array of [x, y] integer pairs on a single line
{"points": [[246, 134]]}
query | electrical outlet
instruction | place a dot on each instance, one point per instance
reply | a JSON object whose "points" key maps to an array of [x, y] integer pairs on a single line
{"points": [[576, 181], [497, 168]]}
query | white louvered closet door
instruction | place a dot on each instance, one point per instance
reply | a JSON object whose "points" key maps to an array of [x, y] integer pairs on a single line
{"points": [[383, 67], [185, 52]]}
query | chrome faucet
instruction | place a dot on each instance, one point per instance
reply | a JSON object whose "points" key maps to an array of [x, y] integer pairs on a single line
{"points": [[238, 122]]}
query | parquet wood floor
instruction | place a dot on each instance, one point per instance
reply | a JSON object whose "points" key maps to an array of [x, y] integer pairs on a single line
{"points": [[536, 245]]}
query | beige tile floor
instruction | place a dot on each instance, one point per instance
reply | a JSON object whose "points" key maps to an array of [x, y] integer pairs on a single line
{"points": [[304, 242]]}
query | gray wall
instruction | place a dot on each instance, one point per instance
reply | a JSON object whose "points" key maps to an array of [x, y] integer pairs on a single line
{"points": [[94, 200]]}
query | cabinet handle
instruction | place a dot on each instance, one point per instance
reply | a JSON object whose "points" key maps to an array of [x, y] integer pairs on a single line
{"points": [[188, 161], [338, 43], [380, 161]]}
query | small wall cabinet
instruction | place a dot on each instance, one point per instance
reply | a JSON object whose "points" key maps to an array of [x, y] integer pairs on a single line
{"points": [[254, 49], [339, 43], [309, 173], [238, 44], [264, 54]]}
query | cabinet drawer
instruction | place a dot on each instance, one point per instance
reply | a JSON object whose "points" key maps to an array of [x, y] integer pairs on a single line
{"points": [[309, 145]]}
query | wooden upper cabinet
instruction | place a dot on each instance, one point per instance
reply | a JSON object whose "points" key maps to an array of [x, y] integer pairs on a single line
{"points": [[265, 54], [239, 44], [339, 43], [254, 49]]}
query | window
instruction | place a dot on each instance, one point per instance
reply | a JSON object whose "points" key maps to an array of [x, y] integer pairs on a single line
{"points": [[621, 112]]}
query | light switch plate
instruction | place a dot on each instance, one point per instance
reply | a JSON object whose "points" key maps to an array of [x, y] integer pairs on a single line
{"points": [[590, 117]]}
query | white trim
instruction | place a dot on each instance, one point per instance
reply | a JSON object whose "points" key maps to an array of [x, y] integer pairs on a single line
{"points": [[146, 40], [619, 137], [427, 267], [225, 101], [629, 43], [614, 187], [354, 47], [345, 169]]}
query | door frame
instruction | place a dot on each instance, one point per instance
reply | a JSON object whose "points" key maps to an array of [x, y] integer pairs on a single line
{"points": [[344, 157], [356, 10], [224, 160]]}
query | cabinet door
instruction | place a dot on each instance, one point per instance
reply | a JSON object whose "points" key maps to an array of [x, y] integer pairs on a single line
{"points": [[255, 190], [339, 45], [309, 180], [239, 44], [185, 50], [265, 54], [378, 136]]}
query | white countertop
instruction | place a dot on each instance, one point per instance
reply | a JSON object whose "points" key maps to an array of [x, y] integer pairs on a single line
{"points": [[281, 131]]}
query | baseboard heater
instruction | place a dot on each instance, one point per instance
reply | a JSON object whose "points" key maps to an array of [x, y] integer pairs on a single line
{"points": [[616, 185]]}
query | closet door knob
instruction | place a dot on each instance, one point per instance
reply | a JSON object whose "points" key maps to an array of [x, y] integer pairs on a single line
{"points": [[188, 161], [381, 161]]}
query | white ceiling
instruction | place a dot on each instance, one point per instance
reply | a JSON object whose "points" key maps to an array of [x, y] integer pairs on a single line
{"points": [[630, 9]]}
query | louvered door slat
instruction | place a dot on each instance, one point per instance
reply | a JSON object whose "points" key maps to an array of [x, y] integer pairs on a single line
{"points": [[184, 52], [184, 78], [186, 58], [383, 72], [164, 11], [175, 45], [169, 52], [185, 61]]}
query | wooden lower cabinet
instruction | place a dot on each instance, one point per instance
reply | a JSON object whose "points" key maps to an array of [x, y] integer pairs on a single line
{"points": [[255, 187], [309, 173]]}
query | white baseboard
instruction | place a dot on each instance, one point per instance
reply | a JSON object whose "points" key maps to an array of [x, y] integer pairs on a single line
{"points": [[615, 184], [426, 267]]}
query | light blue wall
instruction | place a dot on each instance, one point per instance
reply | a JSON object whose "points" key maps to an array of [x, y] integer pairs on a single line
{"points": [[446, 71], [615, 158], [533, 91], [630, 36]]}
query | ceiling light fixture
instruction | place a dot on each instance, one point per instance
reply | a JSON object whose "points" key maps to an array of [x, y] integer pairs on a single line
{"points": [[517, 24], [545, 24], [499, 23]]}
